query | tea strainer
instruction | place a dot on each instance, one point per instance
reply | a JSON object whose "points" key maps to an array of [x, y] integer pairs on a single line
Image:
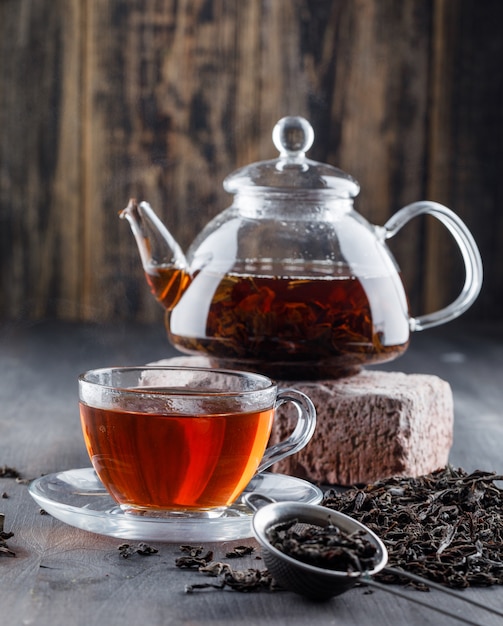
{"points": [[319, 583]]}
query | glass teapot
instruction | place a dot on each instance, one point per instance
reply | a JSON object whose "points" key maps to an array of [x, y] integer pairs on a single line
{"points": [[290, 280]]}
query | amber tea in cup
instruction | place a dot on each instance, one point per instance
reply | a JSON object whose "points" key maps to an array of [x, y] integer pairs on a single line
{"points": [[180, 440]]}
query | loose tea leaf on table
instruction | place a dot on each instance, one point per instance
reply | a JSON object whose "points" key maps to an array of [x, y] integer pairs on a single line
{"points": [[4, 548], [9, 472], [143, 549], [239, 551], [239, 580], [195, 558], [446, 526]]}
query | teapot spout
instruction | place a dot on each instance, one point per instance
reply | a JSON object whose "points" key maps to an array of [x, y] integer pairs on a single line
{"points": [[163, 261]]}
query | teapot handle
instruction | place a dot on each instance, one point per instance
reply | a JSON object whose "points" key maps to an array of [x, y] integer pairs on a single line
{"points": [[469, 252]]}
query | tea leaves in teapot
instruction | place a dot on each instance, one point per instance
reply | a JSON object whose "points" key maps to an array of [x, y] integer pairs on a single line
{"points": [[316, 326]]}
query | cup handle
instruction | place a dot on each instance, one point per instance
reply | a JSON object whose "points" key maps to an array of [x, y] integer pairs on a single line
{"points": [[302, 433], [469, 252]]}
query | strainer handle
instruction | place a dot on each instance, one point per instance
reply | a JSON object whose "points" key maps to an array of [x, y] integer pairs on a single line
{"points": [[256, 500], [397, 571], [304, 429], [427, 603]]}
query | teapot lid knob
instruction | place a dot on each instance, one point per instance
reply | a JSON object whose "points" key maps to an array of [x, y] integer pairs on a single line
{"points": [[292, 171], [293, 136]]}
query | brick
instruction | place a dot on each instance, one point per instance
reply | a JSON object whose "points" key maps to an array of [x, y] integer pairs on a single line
{"points": [[372, 426]]}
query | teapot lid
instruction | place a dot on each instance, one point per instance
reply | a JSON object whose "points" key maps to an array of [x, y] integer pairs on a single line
{"points": [[292, 136]]}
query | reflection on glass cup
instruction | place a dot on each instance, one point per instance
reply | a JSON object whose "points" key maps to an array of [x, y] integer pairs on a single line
{"points": [[184, 441]]}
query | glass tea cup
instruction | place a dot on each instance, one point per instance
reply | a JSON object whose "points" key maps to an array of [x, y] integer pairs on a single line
{"points": [[184, 441]]}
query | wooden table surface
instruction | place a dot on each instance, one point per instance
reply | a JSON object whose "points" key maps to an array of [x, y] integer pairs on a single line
{"points": [[63, 575]]}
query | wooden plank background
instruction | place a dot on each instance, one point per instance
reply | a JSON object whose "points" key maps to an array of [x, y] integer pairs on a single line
{"points": [[161, 99]]}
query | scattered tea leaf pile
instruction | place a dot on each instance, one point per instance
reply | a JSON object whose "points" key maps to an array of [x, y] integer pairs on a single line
{"points": [[251, 579], [446, 526]]}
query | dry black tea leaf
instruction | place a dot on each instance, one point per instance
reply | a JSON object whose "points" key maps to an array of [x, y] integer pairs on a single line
{"points": [[248, 580], [240, 551], [4, 548], [9, 472], [328, 547], [446, 526], [143, 549], [192, 550], [195, 557]]}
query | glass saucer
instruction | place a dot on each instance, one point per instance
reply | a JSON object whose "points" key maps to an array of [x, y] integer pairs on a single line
{"points": [[78, 498]]}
